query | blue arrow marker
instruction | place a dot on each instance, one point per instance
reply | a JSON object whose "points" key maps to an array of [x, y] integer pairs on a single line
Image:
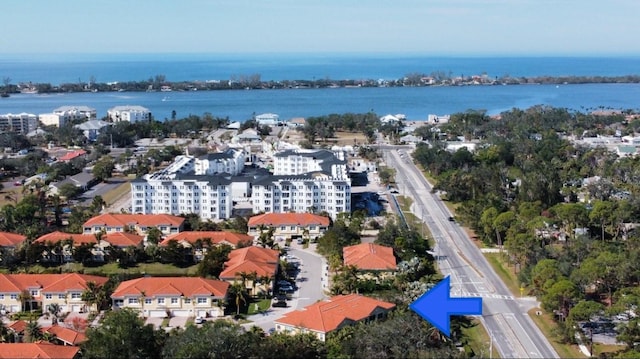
{"points": [[436, 306]]}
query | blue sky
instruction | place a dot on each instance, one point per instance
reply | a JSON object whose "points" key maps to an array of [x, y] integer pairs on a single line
{"points": [[435, 27]]}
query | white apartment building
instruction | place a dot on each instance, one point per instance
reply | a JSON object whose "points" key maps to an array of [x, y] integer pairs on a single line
{"points": [[18, 123], [304, 193], [53, 119], [129, 113], [317, 181], [77, 112], [269, 119], [190, 185]]}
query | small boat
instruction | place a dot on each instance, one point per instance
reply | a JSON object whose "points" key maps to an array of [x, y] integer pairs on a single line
{"points": [[4, 94]]}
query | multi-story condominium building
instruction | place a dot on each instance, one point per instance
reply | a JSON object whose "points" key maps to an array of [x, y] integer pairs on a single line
{"points": [[305, 181], [18, 123], [129, 113], [172, 296], [44, 290], [190, 185], [77, 112]]}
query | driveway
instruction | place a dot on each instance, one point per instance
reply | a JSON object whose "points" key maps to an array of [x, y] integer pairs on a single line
{"points": [[178, 322], [156, 322]]}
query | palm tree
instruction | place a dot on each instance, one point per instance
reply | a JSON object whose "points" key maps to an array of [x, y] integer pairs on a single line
{"points": [[54, 309], [33, 332], [253, 277], [91, 294], [25, 297], [5, 334], [238, 289]]}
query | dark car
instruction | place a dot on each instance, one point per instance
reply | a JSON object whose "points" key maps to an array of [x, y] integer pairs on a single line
{"points": [[451, 219], [280, 304]]}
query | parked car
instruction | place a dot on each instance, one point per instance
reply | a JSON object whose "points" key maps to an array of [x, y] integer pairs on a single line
{"points": [[283, 282], [199, 320], [287, 288], [280, 304]]}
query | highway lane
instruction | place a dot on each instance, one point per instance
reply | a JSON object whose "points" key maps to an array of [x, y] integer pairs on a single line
{"points": [[514, 333]]}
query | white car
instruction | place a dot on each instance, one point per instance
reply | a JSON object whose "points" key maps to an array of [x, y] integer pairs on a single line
{"points": [[199, 320]]}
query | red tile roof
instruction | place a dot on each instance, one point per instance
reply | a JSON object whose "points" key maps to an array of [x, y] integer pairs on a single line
{"points": [[263, 261], [11, 239], [279, 219], [37, 350], [67, 335], [57, 236], [369, 256], [50, 283], [183, 286], [122, 239], [144, 220], [18, 326], [217, 237], [329, 315], [73, 154]]}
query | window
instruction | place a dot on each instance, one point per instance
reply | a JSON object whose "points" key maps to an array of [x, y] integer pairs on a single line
{"points": [[48, 296], [174, 300], [133, 300], [76, 295], [34, 292], [14, 296], [1, 296], [62, 296], [147, 300], [160, 300], [187, 300], [202, 300]]}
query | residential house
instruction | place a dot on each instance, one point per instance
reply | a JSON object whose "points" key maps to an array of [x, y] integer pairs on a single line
{"points": [[123, 239], [337, 312], [199, 241], [268, 119], [10, 242], [61, 245], [65, 336], [72, 155], [38, 350], [370, 258], [92, 128], [138, 223], [83, 180], [44, 290], [263, 263], [172, 296], [289, 225]]}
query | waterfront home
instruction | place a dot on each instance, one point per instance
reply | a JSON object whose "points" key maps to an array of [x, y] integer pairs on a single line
{"points": [[254, 266], [128, 113], [289, 226], [337, 312], [33, 291], [200, 241], [172, 296]]}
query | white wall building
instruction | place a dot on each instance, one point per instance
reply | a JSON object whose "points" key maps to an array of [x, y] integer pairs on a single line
{"points": [[230, 161], [77, 112], [129, 113], [53, 119], [269, 119], [18, 123]]}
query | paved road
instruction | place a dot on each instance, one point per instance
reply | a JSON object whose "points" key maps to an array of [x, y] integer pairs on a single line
{"points": [[505, 317], [313, 269]]}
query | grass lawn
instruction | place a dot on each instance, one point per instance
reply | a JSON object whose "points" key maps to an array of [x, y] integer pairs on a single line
{"points": [[8, 195], [479, 341], [165, 323], [153, 269], [413, 221], [606, 348], [345, 138], [113, 195], [262, 304], [547, 326], [506, 273]]}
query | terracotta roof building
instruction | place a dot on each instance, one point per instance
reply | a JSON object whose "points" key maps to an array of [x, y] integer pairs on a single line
{"points": [[263, 262], [38, 350], [117, 222], [46, 289], [324, 317], [11, 240], [66, 336], [177, 296], [71, 155], [289, 225], [369, 257], [189, 239]]}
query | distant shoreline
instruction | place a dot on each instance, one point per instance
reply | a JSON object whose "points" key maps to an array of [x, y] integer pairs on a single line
{"points": [[253, 82]]}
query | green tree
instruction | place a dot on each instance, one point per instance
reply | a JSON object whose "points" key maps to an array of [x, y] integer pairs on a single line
{"points": [[213, 262], [122, 334], [103, 169], [560, 297]]}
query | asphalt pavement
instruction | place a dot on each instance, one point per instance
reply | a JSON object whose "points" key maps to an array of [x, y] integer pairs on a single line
{"points": [[504, 316]]}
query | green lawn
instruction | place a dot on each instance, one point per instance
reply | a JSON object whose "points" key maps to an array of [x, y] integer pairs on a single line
{"points": [[263, 305], [113, 195], [152, 269], [547, 326], [505, 272]]}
